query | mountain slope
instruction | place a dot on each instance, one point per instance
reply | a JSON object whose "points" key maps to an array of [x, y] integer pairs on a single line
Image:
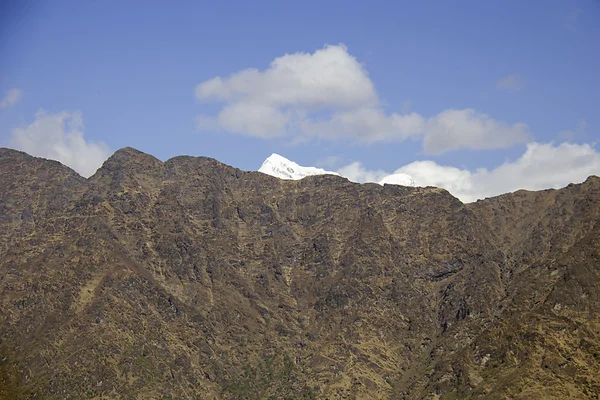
{"points": [[192, 279]]}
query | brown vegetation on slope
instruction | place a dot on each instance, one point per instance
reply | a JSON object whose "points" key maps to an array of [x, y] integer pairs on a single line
{"points": [[192, 279]]}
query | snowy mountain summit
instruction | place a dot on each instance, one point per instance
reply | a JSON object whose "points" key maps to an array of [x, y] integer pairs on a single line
{"points": [[283, 168], [398, 179], [280, 167]]}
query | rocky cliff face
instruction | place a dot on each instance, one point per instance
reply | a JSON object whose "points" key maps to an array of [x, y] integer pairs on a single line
{"points": [[191, 279]]}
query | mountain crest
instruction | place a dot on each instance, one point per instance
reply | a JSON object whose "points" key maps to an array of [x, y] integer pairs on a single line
{"points": [[283, 168], [280, 167], [130, 160]]}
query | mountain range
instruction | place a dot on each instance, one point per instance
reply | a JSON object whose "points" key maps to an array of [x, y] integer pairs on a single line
{"points": [[190, 279]]}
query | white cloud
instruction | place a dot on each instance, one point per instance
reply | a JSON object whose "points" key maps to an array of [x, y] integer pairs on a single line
{"points": [[356, 172], [329, 95], [366, 125], [428, 173], [330, 77], [253, 119], [11, 97], [511, 83], [454, 129], [60, 137], [572, 134], [542, 166]]}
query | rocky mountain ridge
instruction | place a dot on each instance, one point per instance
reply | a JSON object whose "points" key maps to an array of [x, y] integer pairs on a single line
{"points": [[192, 279]]}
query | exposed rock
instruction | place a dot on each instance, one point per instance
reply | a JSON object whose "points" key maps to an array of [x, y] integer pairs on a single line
{"points": [[192, 279]]}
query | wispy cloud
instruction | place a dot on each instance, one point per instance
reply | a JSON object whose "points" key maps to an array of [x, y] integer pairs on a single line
{"points": [[511, 83], [406, 106], [572, 134], [328, 95], [329, 162], [11, 97]]}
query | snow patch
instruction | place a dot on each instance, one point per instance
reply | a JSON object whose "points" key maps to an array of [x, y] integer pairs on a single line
{"points": [[398, 179], [280, 167], [283, 168]]}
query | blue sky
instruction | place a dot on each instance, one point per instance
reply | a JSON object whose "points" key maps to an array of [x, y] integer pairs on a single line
{"points": [[485, 83]]}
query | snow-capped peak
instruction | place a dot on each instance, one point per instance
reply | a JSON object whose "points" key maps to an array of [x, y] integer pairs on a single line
{"points": [[283, 168], [398, 179], [280, 167]]}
